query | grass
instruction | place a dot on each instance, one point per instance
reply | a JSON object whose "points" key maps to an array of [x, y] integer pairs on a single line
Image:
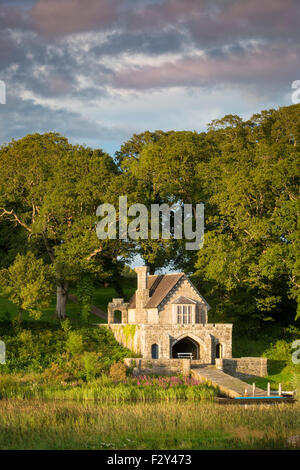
{"points": [[103, 295], [36, 424], [279, 372], [273, 342], [103, 390]]}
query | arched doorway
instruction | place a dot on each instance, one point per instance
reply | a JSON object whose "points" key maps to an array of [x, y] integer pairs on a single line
{"points": [[154, 351], [219, 351], [117, 311], [186, 345], [117, 316]]}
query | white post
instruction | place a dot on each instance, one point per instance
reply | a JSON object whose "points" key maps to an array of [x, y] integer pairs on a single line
{"points": [[269, 390], [253, 389], [279, 390]]}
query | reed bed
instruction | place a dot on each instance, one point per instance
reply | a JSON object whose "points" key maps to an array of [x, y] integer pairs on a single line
{"points": [[38, 424], [104, 390]]}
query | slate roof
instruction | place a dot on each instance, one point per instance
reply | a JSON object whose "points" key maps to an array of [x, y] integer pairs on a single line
{"points": [[159, 286]]}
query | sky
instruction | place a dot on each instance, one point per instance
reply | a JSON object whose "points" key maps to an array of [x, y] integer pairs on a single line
{"points": [[98, 71]]}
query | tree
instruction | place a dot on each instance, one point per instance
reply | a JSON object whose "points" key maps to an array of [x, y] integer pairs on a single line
{"points": [[51, 190], [249, 259], [162, 168], [27, 283], [132, 148]]}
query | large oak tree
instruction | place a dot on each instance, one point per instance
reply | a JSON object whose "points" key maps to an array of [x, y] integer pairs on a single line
{"points": [[51, 190]]}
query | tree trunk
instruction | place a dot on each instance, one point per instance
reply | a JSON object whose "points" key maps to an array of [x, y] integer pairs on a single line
{"points": [[61, 300]]}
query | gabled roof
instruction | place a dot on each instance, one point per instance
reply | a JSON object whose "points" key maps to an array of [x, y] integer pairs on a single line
{"points": [[159, 286]]}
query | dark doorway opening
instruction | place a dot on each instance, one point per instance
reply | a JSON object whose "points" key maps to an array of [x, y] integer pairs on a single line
{"points": [[186, 345], [117, 316], [219, 351]]}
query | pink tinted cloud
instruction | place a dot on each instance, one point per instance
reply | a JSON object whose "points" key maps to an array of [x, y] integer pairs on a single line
{"points": [[260, 67], [13, 17], [208, 21], [170, 12], [226, 19], [270, 19], [7, 49], [64, 17]]}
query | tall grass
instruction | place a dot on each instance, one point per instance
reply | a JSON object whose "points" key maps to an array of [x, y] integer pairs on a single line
{"points": [[103, 390], [36, 424]]}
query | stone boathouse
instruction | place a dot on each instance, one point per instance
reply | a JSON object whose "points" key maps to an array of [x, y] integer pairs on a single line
{"points": [[167, 319]]}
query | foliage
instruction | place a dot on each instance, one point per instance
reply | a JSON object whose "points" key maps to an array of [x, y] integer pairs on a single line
{"points": [[27, 283], [85, 292], [129, 332], [280, 351], [72, 350], [74, 343], [50, 189], [91, 365], [117, 372], [249, 267], [245, 173]]}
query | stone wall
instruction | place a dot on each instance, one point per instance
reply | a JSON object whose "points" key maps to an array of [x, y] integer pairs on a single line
{"points": [[159, 366], [140, 338], [207, 336], [127, 335], [243, 367]]}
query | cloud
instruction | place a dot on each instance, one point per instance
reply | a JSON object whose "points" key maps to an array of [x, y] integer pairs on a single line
{"points": [[211, 22], [73, 16], [90, 67], [128, 42], [258, 67], [26, 117], [14, 16]]}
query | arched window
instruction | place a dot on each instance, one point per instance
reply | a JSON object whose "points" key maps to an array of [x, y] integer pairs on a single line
{"points": [[154, 351]]}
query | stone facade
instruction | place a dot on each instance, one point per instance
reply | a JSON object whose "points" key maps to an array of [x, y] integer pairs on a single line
{"points": [[167, 317], [206, 338], [165, 322], [243, 367], [159, 366]]}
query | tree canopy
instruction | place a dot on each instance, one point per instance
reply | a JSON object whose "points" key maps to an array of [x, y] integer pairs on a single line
{"points": [[51, 190], [245, 172]]}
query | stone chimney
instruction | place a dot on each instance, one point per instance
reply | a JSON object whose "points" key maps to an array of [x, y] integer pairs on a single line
{"points": [[142, 292]]}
